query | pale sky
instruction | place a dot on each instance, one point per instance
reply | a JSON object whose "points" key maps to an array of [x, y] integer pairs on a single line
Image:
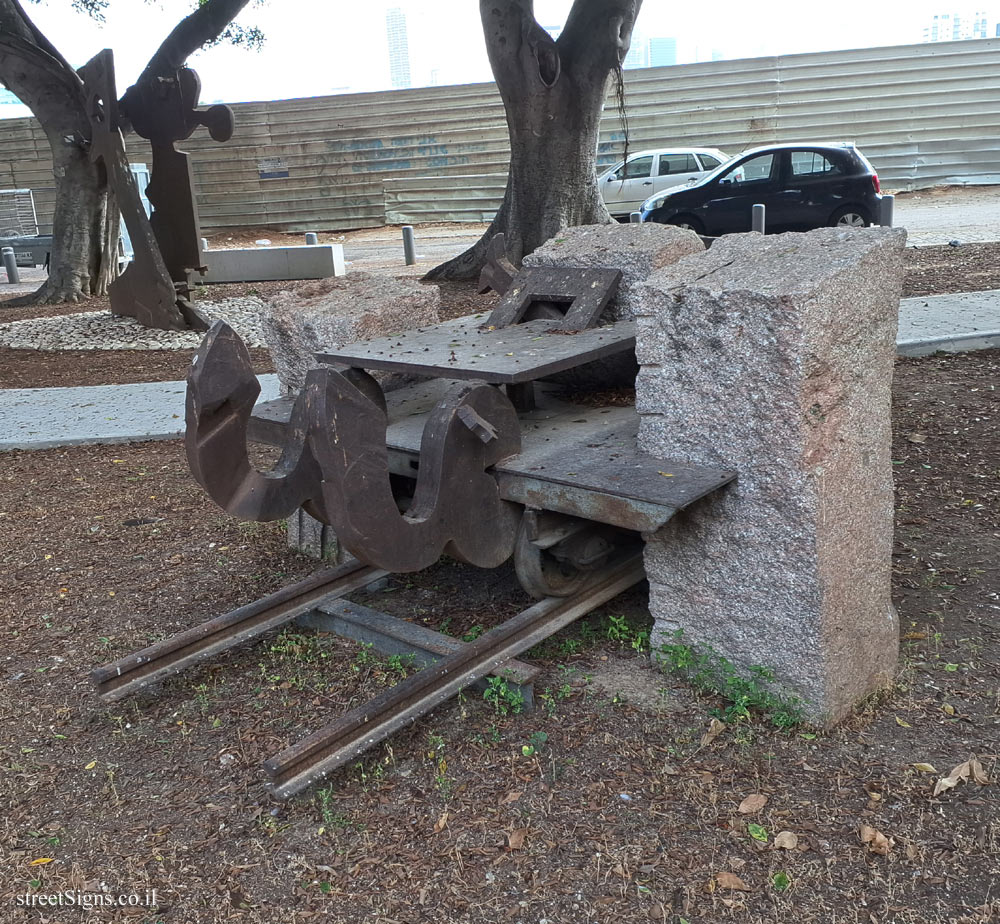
{"points": [[315, 49]]}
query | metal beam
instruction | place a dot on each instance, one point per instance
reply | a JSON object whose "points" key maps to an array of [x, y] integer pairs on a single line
{"points": [[200, 643]]}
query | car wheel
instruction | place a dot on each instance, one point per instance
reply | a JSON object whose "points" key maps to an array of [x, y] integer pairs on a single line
{"points": [[689, 222], [850, 216]]}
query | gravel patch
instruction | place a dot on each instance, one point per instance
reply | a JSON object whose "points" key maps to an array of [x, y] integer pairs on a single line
{"points": [[101, 330]]}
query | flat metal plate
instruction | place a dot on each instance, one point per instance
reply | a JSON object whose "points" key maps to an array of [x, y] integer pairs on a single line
{"points": [[577, 460], [458, 349], [586, 292]]}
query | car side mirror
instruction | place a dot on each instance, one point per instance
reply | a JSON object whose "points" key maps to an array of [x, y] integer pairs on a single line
{"points": [[613, 177], [725, 181]]}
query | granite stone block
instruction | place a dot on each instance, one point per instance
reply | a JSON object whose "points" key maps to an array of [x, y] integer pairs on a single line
{"points": [[329, 313], [773, 355]]}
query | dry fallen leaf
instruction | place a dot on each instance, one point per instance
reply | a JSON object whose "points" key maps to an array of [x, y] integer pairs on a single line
{"points": [[968, 769], [877, 842], [917, 437], [925, 768], [787, 840], [726, 880], [512, 796], [902, 722], [41, 861], [440, 823], [752, 803], [515, 840], [715, 728]]}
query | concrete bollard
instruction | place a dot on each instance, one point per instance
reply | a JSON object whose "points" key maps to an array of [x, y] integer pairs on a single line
{"points": [[311, 238], [10, 264], [409, 254], [757, 220], [885, 211], [635, 218]]}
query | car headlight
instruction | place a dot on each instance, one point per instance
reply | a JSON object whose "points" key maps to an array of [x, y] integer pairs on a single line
{"points": [[654, 202]]}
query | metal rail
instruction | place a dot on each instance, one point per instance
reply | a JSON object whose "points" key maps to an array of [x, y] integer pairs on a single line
{"points": [[170, 656], [314, 757]]}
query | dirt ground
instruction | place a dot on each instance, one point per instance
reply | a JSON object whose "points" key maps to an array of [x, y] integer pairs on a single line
{"points": [[615, 800]]}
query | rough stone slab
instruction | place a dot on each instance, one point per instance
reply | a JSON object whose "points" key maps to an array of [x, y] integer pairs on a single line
{"points": [[329, 313], [773, 356], [638, 250], [41, 418], [262, 264], [951, 323]]}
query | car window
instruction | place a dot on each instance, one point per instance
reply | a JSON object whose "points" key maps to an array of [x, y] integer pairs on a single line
{"points": [[812, 163], [677, 163], [708, 162], [641, 166], [755, 170]]}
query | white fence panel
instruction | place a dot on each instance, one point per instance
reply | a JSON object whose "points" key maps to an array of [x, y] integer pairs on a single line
{"points": [[924, 115]]}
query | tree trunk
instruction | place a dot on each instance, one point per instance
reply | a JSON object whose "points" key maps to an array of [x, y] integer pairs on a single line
{"points": [[41, 78], [553, 94]]}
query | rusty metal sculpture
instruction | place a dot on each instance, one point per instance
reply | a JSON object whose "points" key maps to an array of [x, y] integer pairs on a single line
{"points": [[498, 271], [144, 291], [456, 507], [220, 398], [334, 462], [164, 110], [562, 489]]}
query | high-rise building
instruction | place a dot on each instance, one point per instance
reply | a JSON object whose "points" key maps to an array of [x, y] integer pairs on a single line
{"points": [[662, 52], [958, 25], [399, 48], [638, 51]]}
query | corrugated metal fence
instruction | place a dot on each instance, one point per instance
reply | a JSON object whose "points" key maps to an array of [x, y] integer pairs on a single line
{"points": [[923, 114]]}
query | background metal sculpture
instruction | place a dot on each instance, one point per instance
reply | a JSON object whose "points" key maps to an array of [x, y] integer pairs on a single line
{"points": [[164, 111], [144, 291]]}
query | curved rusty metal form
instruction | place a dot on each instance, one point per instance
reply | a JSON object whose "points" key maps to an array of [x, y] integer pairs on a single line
{"points": [[221, 393], [456, 508], [335, 461]]}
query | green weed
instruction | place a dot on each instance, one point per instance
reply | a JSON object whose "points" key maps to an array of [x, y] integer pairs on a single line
{"points": [[709, 672], [505, 698]]}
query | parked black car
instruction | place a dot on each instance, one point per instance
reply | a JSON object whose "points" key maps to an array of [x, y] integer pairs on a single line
{"points": [[802, 186]]}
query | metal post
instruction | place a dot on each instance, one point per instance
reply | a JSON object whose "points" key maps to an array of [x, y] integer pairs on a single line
{"points": [[757, 222], [311, 238], [10, 264], [408, 251], [635, 217], [885, 211]]}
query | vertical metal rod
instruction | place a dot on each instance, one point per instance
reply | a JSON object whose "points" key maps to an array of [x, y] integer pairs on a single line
{"points": [[885, 211], [635, 218], [757, 222], [409, 253], [10, 264], [311, 238]]}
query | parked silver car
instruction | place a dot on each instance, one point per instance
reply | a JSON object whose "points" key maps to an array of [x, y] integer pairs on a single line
{"points": [[629, 183]]}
